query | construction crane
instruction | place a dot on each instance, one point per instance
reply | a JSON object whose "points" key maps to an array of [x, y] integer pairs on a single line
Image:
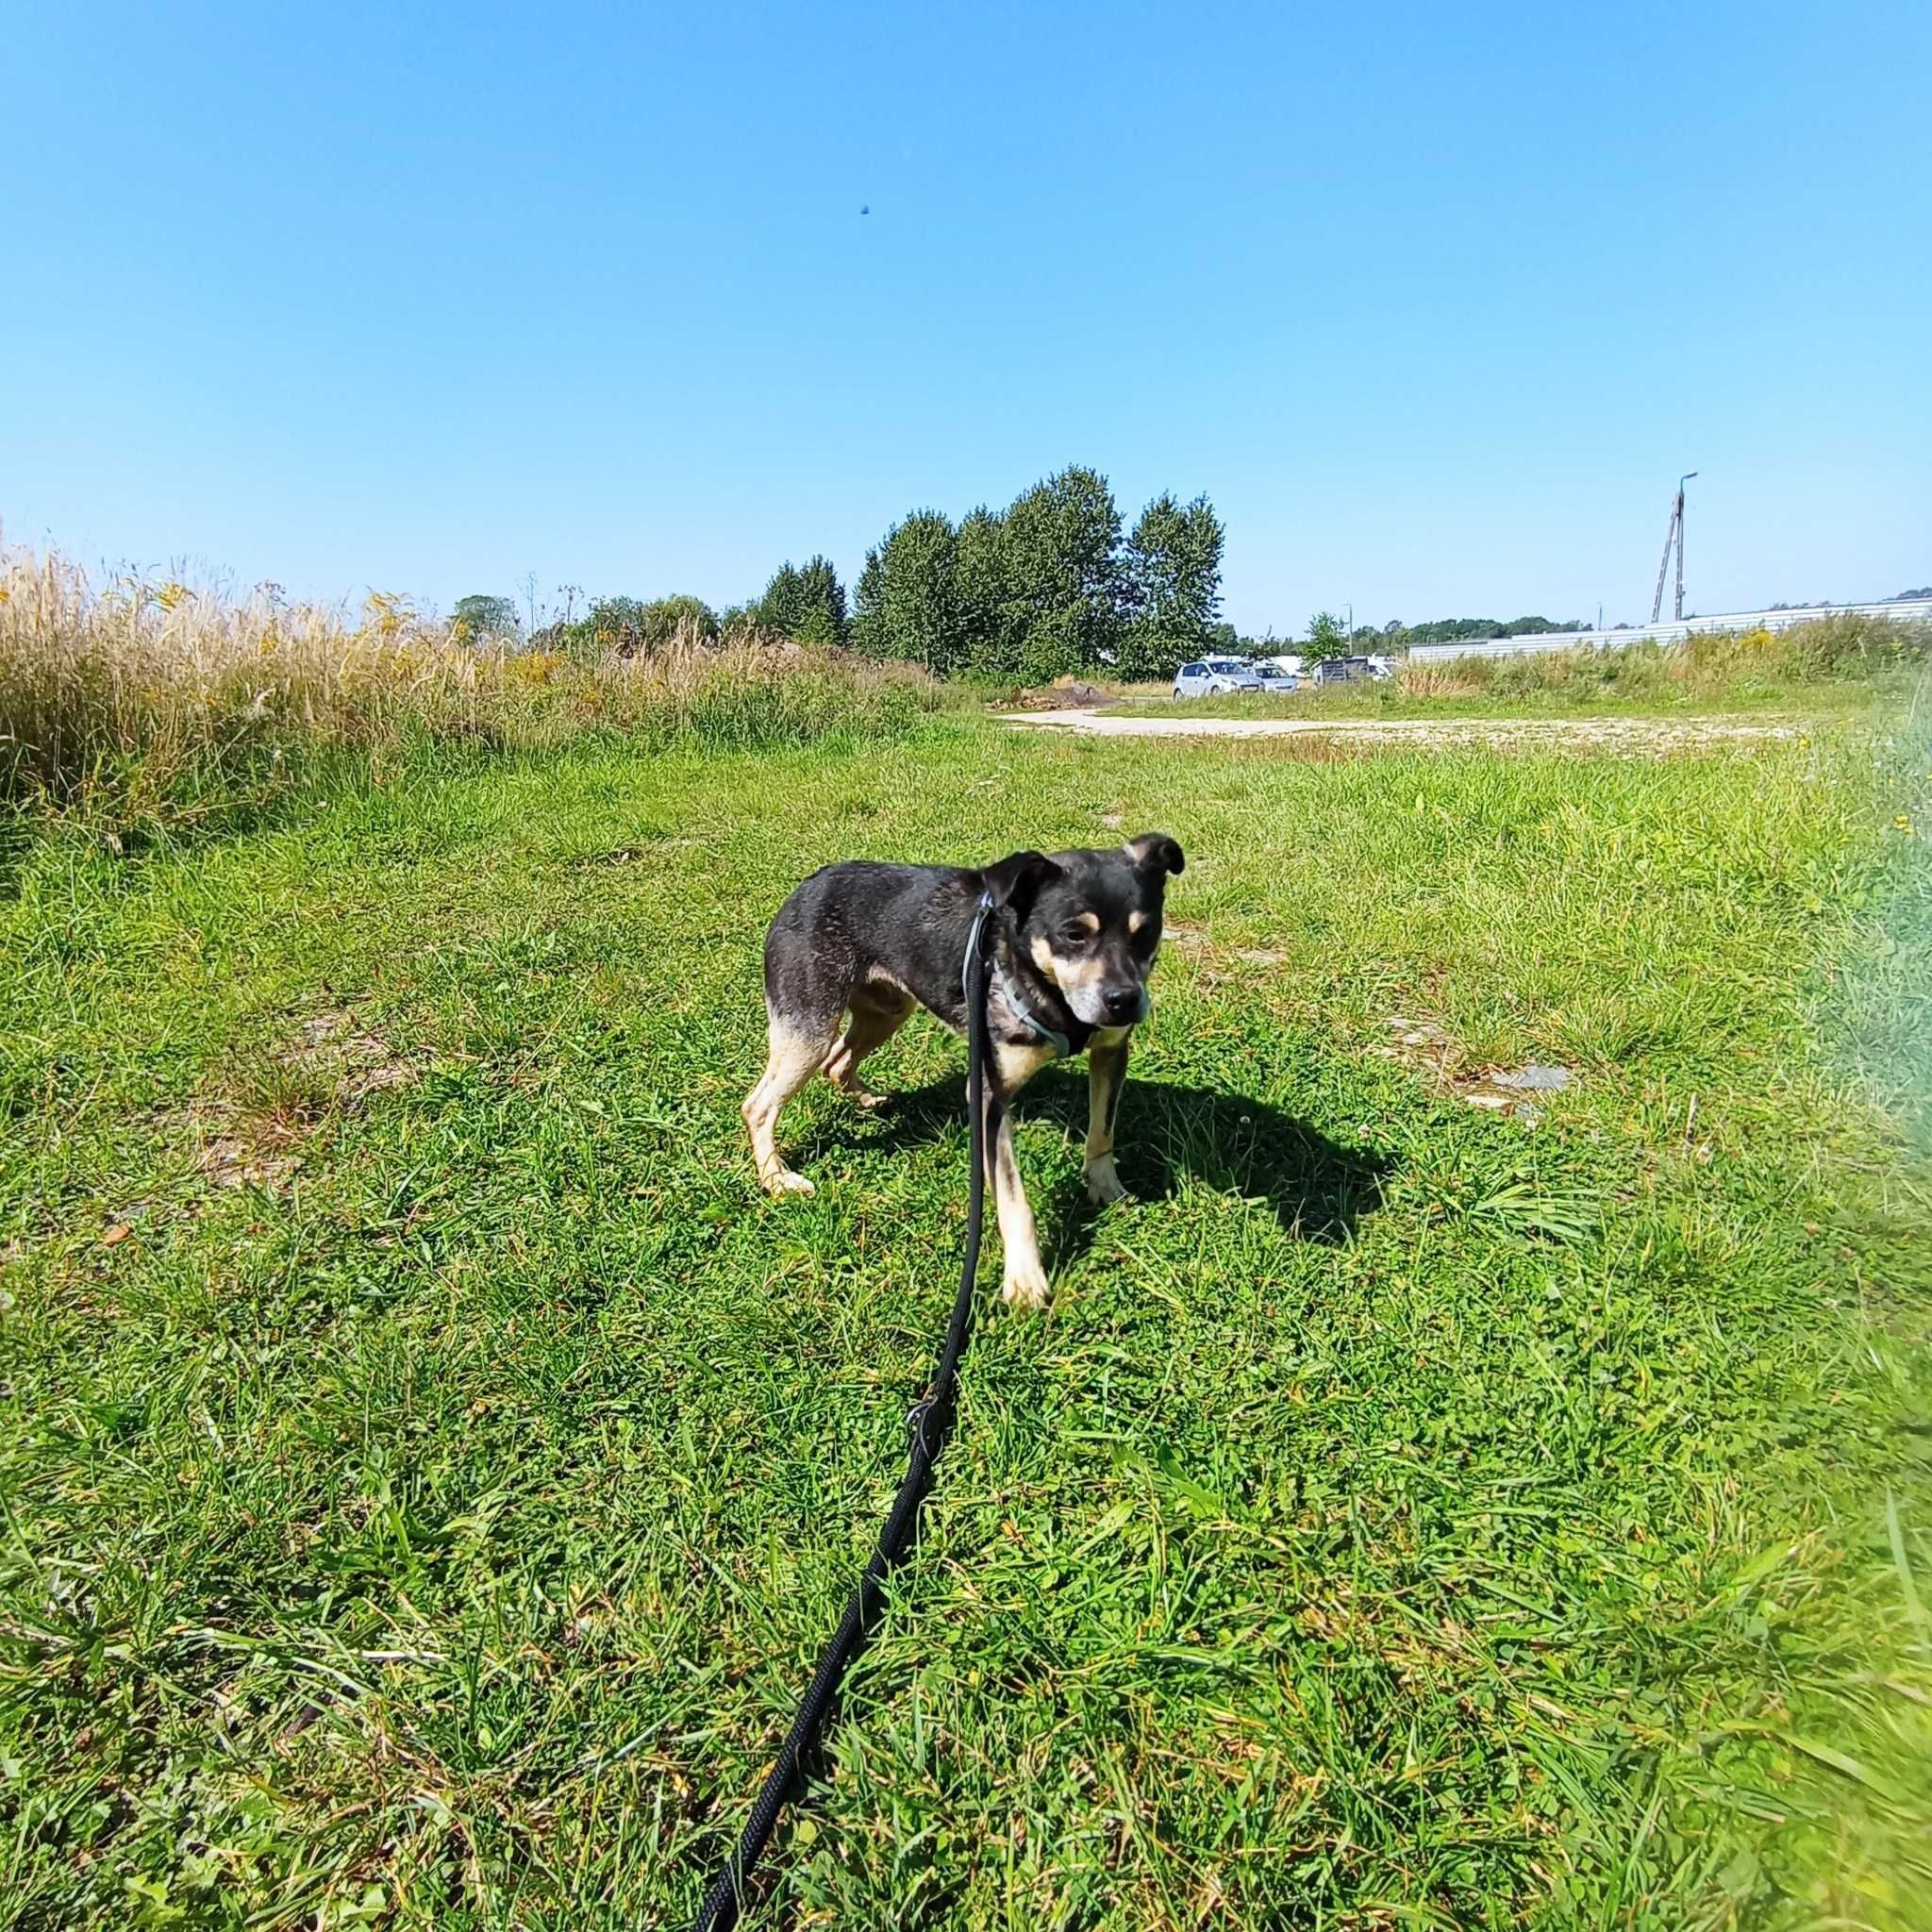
{"points": [[1675, 534]]}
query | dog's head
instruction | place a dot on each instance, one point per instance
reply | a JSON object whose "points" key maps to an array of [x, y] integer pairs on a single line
{"points": [[1090, 922]]}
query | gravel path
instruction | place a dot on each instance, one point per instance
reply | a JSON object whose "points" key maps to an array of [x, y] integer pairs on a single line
{"points": [[1632, 735]]}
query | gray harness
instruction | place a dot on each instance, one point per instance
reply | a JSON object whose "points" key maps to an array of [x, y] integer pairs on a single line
{"points": [[1050, 1036]]}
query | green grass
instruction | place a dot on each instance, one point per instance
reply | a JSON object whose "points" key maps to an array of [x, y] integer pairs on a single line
{"points": [[429, 1466]]}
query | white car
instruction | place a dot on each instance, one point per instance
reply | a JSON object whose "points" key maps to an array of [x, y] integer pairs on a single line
{"points": [[1275, 681], [1214, 677]]}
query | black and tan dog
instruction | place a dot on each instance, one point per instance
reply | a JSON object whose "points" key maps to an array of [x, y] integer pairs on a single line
{"points": [[1075, 935]]}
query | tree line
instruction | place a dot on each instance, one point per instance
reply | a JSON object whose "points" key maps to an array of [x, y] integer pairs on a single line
{"points": [[1052, 584], [1453, 630]]}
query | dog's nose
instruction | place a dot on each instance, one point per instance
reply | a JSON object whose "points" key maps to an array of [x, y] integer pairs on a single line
{"points": [[1121, 1001]]}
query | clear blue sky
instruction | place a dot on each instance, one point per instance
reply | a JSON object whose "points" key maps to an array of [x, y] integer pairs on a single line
{"points": [[1434, 302]]}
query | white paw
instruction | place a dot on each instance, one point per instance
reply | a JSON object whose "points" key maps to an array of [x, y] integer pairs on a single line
{"points": [[1025, 1287], [1103, 1182], [785, 1182]]}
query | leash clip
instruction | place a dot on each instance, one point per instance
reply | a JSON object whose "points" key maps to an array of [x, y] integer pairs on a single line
{"points": [[915, 1424], [979, 916]]}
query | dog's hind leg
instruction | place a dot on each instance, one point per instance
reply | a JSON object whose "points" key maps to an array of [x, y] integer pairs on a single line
{"points": [[797, 1052], [877, 1013]]}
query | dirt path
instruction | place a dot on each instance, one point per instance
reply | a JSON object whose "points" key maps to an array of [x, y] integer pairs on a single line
{"points": [[1633, 735]]}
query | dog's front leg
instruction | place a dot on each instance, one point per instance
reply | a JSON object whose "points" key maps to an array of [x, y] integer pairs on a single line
{"points": [[1025, 1275], [1106, 1071]]}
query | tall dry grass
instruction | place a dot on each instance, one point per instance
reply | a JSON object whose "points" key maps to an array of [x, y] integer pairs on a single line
{"points": [[162, 700], [1730, 664]]}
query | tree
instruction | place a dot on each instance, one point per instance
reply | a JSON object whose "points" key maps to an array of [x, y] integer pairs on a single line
{"points": [[806, 603], [1172, 586], [1062, 606], [1041, 589], [1525, 626], [1326, 638], [982, 591], [868, 607], [782, 606], [907, 600], [486, 620], [1449, 630]]}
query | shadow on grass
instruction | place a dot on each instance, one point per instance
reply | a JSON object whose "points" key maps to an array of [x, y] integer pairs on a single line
{"points": [[18, 834], [102, 836], [205, 811], [1316, 1187]]}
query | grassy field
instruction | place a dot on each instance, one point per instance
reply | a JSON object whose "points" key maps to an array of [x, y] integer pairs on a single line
{"points": [[429, 1465], [1843, 666]]}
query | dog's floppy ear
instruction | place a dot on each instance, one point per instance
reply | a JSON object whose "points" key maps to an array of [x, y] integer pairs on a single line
{"points": [[1016, 881], [1156, 852]]}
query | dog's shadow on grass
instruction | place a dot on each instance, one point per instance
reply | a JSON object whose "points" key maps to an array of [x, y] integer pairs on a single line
{"points": [[1318, 1188]]}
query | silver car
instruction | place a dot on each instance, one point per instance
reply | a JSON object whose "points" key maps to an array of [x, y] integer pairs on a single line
{"points": [[1213, 676]]}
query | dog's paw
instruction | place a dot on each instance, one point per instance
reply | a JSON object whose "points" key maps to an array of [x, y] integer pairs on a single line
{"points": [[785, 1182], [1103, 1182], [1025, 1287]]}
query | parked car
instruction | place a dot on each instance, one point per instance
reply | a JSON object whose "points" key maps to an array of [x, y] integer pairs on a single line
{"points": [[1213, 678], [1274, 678], [1284, 661]]}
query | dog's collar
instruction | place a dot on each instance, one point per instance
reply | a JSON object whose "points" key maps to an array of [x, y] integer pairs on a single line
{"points": [[1063, 1046]]}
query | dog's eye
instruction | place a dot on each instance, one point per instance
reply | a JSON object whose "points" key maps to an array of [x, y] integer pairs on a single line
{"points": [[1073, 937]]}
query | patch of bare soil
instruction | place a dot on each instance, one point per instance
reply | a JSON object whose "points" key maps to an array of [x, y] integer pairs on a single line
{"points": [[256, 1156], [360, 1062], [1619, 737], [1513, 1091], [254, 1126], [1063, 694]]}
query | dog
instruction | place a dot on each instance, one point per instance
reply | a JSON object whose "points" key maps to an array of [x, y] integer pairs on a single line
{"points": [[1073, 935]]}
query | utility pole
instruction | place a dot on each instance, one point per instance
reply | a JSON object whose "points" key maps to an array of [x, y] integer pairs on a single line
{"points": [[1673, 534]]}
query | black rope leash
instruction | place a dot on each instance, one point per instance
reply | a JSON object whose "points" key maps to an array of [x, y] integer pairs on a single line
{"points": [[927, 1427]]}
